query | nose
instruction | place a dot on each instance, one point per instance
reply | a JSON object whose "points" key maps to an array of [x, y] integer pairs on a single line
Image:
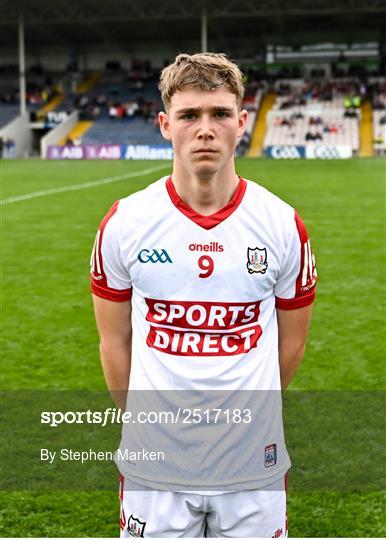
{"points": [[205, 129]]}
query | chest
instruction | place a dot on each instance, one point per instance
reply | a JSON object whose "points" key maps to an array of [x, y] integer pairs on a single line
{"points": [[239, 259]]}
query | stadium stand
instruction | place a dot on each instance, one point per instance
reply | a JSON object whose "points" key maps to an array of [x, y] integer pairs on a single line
{"points": [[8, 113], [379, 118], [312, 113], [119, 106], [121, 112], [41, 90], [256, 146], [122, 108], [253, 98]]}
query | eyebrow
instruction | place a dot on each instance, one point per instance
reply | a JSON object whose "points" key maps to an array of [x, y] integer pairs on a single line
{"points": [[216, 108]]}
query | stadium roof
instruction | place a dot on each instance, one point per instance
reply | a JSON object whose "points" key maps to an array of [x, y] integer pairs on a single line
{"points": [[230, 22]]}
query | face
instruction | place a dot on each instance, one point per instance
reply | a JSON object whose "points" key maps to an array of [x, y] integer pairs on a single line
{"points": [[204, 127]]}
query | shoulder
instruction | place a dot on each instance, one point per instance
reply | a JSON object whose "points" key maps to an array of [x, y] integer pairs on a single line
{"points": [[267, 204], [141, 205], [141, 200]]}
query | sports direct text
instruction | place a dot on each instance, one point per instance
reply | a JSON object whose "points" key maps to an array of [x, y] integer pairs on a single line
{"points": [[116, 416], [203, 328]]}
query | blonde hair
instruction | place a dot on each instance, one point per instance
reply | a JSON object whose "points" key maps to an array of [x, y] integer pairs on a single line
{"points": [[206, 71]]}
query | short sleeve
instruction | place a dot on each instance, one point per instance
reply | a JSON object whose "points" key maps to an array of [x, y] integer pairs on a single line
{"points": [[295, 286], [109, 277]]}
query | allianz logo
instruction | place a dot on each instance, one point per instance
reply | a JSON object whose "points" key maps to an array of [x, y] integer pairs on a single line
{"points": [[154, 256]]}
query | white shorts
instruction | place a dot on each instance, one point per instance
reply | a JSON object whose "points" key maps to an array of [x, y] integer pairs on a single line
{"points": [[166, 514]]}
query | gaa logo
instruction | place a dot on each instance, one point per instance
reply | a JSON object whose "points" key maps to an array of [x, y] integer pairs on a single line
{"points": [[326, 152], [153, 256], [285, 152]]}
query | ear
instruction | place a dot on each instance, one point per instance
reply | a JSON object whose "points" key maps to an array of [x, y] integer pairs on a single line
{"points": [[243, 117], [164, 125]]}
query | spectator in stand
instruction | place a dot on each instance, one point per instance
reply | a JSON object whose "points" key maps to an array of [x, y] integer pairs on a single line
{"points": [[131, 108], [347, 103], [313, 136], [378, 104], [243, 145], [350, 113], [379, 144], [156, 122], [332, 129], [121, 112], [362, 90], [356, 101], [112, 112], [10, 147]]}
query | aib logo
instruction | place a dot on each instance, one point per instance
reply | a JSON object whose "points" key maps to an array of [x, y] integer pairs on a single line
{"points": [[153, 256]]}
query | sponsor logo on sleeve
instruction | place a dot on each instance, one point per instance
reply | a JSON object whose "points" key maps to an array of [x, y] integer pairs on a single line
{"points": [[309, 273]]}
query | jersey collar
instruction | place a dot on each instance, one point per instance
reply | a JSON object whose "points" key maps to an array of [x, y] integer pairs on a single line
{"points": [[207, 222]]}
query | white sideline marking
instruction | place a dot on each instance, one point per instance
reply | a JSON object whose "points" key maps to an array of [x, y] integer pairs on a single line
{"points": [[75, 187]]}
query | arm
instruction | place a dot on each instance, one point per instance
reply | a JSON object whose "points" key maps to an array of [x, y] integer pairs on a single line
{"points": [[293, 326], [114, 326]]}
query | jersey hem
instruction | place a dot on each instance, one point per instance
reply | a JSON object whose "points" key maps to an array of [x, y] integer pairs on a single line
{"points": [[237, 485]]}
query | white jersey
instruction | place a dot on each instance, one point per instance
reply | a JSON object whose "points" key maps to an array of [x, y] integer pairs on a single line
{"points": [[204, 293]]}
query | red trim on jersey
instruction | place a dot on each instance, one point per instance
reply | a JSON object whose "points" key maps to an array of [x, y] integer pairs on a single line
{"points": [[286, 496], [295, 303], [114, 295], [98, 277], [303, 237], [306, 278], [121, 486], [207, 222]]}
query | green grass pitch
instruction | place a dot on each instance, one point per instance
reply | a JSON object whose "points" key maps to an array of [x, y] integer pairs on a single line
{"points": [[50, 342]]}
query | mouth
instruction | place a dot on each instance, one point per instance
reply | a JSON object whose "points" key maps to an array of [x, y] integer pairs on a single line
{"points": [[205, 151]]}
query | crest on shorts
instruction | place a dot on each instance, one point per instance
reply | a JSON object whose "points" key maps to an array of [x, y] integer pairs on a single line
{"points": [[135, 527], [257, 260]]}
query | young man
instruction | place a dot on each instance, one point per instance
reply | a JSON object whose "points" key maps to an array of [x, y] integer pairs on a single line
{"points": [[204, 283]]}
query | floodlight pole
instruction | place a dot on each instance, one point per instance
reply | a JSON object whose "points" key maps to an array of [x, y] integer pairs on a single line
{"points": [[204, 29], [23, 108]]}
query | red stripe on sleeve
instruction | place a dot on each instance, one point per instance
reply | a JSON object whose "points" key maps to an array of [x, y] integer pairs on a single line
{"points": [[303, 237], [306, 278], [295, 303], [99, 284], [114, 295]]}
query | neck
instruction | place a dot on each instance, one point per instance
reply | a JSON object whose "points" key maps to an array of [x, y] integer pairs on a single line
{"points": [[205, 194]]}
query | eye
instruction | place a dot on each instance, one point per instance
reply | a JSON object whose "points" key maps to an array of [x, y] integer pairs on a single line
{"points": [[189, 116], [221, 114]]}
